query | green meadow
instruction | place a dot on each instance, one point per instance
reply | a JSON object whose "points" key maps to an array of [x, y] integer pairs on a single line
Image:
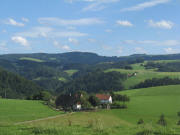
{"points": [[143, 74], [12, 110], [148, 104], [31, 59], [71, 72]]}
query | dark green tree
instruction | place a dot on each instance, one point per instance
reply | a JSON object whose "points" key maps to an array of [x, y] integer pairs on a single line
{"points": [[94, 101]]}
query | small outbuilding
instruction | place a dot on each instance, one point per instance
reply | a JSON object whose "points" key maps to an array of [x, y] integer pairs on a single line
{"points": [[77, 106]]}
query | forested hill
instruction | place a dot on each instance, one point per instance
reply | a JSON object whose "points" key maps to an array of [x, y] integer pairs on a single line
{"points": [[51, 71], [83, 57], [14, 86]]}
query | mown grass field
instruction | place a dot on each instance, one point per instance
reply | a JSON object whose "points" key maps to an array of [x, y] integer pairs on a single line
{"points": [[71, 72], [143, 74], [31, 59], [147, 104], [12, 111]]}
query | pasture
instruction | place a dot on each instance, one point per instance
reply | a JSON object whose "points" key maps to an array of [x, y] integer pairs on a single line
{"points": [[31, 59], [143, 74], [148, 104], [12, 111]]}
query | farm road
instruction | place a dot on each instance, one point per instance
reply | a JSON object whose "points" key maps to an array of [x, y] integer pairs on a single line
{"points": [[47, 118]]}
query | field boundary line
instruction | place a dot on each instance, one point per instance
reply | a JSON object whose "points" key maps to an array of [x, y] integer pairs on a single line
{"points": [[37, 120]]}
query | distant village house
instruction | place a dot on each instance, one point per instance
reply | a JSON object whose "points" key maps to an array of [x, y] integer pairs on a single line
{"points": [[104, 99]]}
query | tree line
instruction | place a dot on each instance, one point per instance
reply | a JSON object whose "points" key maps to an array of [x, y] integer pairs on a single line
{"points": [[157, 82]]}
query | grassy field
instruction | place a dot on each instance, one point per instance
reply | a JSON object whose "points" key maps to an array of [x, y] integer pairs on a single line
{"points": [[143, 74], [62, 79], [71, 72], [31, 59], [147, 104], [12, 111]]}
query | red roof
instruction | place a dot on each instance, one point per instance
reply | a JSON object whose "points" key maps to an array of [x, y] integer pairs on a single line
{"points": [[103, 96], [78, 103]]}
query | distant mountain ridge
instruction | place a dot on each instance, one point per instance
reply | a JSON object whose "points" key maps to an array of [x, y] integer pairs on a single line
{"points": [[86, 57]]}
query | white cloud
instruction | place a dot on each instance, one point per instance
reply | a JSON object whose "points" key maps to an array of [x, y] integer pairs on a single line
{"points": [[11, 21], [152, 42], [63, 22], [144, 5], [73, 40], [62, 47], [47, 32], [21, 40], [170, 50], [25, 19], [124, 23], [66, 47], [161, 24], [94, 5]]}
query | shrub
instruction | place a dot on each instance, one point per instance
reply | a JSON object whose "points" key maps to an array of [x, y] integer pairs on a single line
{"points": [[145, 132], [178, 114], [94, 101], [178, 123], [69, 122], [90, 123], [141, 121], [117, 105], [162, 121]]}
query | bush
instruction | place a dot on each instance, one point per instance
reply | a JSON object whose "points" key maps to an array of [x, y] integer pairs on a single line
{"points": [[178, 123], [141, 121], [117, 105], [69, 122], [145, 132], [178, 114], [94, 101], [162, 121]]}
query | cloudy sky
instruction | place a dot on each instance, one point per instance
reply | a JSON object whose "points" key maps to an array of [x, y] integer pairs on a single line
{"points": [[106, 27]]}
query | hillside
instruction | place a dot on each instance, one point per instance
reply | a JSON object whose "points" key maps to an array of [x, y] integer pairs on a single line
{"points": [[143, 74], [15, 86], [22, 110], [149, 103], [52, 71]]}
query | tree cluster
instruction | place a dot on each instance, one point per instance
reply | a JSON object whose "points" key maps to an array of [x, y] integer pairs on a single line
{"points": [[164, 67], [95, 82], [157, 82], [14, 86], [67, 101]]}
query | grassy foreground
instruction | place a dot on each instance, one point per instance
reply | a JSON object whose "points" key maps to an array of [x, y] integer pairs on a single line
{"points": [[12, 111], [147, 104]]}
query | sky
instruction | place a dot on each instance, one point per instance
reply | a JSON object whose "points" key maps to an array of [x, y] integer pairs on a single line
{"points": [[105, 27]]}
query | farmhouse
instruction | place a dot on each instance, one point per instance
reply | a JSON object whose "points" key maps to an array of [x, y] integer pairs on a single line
{"points": [[104, 99]]}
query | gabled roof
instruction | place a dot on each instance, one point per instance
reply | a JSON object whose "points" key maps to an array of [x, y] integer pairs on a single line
{"points": [[103, 96]]}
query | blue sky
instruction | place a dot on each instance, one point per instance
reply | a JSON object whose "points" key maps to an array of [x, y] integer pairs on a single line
{"points": [[106, 27]]}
